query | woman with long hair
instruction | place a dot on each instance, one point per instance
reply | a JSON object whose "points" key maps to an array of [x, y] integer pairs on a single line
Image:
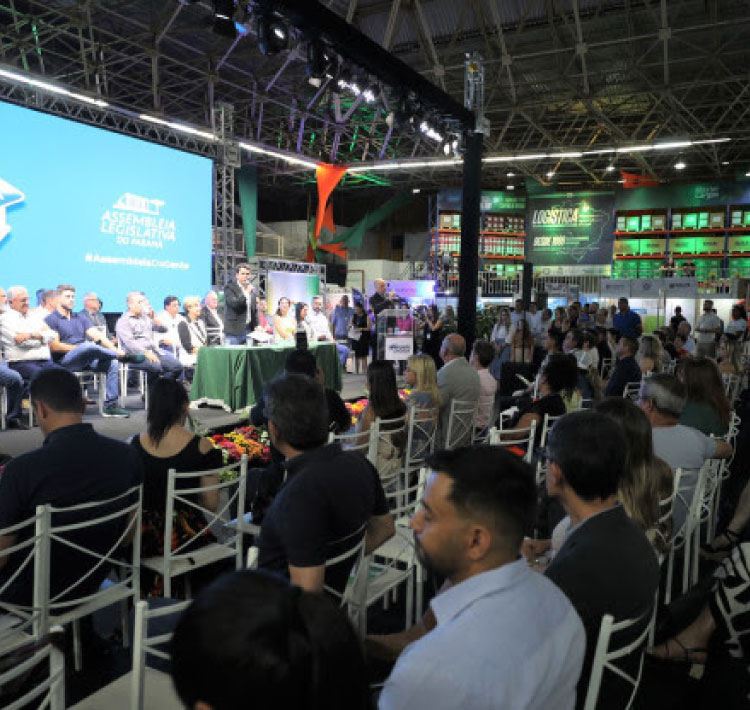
{"points": [[650, 355], [560, 316], [432, 334], [300, 317], [167, 444], [729, 356], [384, 403], [421, 377], [192, 331], [522, 343], [284, 322], [707, 408], [360, 323]]}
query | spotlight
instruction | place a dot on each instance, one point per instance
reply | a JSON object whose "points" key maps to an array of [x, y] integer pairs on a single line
{"points": [[510, 174], [610, 168], [224, 18], [551, 174], [725, 162], [273, 35], [430, 131], [320, 62], [680, 165]]}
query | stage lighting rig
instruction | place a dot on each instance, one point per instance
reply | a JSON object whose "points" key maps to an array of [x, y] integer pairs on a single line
{"points": [[224, 11], [273, 34], [321, 63]]}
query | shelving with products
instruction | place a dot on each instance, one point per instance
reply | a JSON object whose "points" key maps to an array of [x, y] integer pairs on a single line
{"points": [[501, 236]]}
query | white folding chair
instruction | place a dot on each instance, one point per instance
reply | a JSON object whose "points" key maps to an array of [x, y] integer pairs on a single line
{"points": [[607, 365], [17, 689], [421, 435], [731, 386], [142, 687], [70, 605], [390, 445], [96, 380], [460, 423], [516, 437], [364, 443], [227, 528], [631, 391], [547, 424], [605, 657], [142, 384]]}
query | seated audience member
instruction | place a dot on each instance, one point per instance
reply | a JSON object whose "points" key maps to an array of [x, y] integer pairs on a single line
{"points": [[46, 302], [737, 326], [170, 318], [573, 345], [707, 408], [265, 324], [481, 356], [683, 330], [602, 347], [74, 352], [92, 309], [321, 330], [649, 355], [26, 337], [13, 384], [590, 349], [456, 380], [3, 301], [212, 319], [302, 362], [135, 333], [192, 332], [384, 403], [421, 377], [300, 317], [606, 564], [679, 346], [250, 635], [663, 399], [558, 378], [328, 496], [626, 370], [729, 355], [74, 466], [284, 322], [718, 636], [494, 615], [167, 444], [667, 342]]}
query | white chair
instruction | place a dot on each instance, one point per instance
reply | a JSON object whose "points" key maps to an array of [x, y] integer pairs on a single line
{"points": [[631, 390], [421, 435], [363, 443], [547, 424], [605, 657], [142, 687], [227, 528], [18, 663], [95, 380], [70, 605], [607, 365], [516, 437], [460, 423], [142, 384], [389, 439], [731, 386]]}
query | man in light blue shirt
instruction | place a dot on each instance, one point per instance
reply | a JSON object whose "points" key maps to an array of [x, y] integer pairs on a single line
{"points": [[500, 635]]}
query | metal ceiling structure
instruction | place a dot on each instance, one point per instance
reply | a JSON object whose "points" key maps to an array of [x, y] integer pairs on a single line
{"points": [[561, 75]]}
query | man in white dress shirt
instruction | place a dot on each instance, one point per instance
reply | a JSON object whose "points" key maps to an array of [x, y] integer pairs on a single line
{"points": [[170, 318], [321, 328], [498, 635], [708, 328]]}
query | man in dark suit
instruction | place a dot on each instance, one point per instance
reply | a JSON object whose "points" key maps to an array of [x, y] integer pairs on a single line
{"points": [[627, 370], [240, 312], [606, 564], [380, 301]]}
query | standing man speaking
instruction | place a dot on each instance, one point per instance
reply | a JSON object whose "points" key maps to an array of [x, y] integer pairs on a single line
{"points": [[240, 311]]}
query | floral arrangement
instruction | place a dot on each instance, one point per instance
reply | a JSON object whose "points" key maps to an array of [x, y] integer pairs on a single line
{"points": [[248, 440], [356, 408]]}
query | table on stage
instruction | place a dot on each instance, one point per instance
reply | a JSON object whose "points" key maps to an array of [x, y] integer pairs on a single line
{"points": [[233, 376]]}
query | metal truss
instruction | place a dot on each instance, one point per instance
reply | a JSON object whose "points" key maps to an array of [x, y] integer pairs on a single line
{"points": [[261, 266], [564, 74]]}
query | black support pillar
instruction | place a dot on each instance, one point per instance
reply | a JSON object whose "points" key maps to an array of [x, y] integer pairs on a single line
{"points": [[469, 264]]}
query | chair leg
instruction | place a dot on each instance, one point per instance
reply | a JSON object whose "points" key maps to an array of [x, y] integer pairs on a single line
{"points": [[124, 608], [77, 649], [167, 586]]}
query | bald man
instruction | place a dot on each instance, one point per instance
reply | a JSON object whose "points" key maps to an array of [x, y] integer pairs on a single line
{"points": [[458, 380]]}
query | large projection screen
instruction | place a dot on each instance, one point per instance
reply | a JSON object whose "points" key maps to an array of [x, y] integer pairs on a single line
{"points": [[101, 211]]}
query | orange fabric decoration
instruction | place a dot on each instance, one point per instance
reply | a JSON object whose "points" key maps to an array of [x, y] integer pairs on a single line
{"points": [[328, 218], [328, 176], [633, 180]]}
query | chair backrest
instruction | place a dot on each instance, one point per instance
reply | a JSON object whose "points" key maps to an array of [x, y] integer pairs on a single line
{"points": [[607, 364], [605, 655], [364, 443], [631, 390], [421, 434], [354, 553], [460, 423], [21, 561], [144, 644], [98, 531], [231, 485], [731, 386], [516, 437], [547, 424], [21, 683], [389, 439]]}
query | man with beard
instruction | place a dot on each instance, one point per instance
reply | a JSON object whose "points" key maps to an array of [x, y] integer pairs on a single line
{"points": [[498, 634]]}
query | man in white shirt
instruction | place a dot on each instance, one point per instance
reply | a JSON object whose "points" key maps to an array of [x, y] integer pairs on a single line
{"points": [[170, 318], [212, 319], [517, 313], [534, 319], [495, 616], [707, 328], [321, 329], [26, 337]]}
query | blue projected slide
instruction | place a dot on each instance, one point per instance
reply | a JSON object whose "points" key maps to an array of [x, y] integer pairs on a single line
{"points": [[101, 211]]}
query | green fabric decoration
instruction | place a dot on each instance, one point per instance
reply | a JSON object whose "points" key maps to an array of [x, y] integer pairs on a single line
{"points": [[247, 186]]}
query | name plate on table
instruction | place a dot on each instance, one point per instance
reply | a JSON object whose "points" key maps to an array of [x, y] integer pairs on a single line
{"points": [[398, 348]]}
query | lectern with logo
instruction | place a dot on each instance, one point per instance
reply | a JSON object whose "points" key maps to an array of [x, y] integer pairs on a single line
{"points": [[394, 328]]}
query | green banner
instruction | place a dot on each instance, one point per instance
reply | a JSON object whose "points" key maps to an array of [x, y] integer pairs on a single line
{"points": [[570, 228], [247, 186], [704, 194], [491, 201]]}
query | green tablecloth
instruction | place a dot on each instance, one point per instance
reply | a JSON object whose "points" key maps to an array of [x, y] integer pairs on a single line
{"points": [[233, 377]]}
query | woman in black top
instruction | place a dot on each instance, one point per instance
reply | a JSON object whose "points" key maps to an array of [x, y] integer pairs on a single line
{"points": [[432, 335], [360, 322]]}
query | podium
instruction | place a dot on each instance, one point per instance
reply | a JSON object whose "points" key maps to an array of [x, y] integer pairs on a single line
{"points": [[394, 331]]}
